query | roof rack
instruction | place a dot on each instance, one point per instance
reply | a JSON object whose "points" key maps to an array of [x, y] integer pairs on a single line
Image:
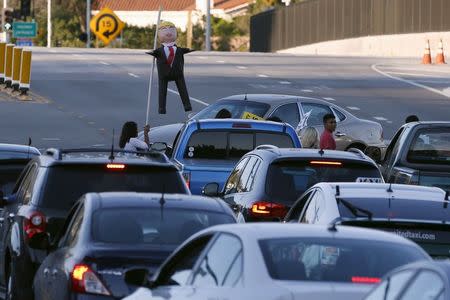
{"points": [[58, 153], [357, 151]]}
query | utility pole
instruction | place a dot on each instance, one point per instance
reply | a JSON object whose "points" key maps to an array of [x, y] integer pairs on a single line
{"points": [[208, 26], [88, 23], [49, 23]]}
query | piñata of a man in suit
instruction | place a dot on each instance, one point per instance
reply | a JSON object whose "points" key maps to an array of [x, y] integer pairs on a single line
{"points": [[170, 63]]}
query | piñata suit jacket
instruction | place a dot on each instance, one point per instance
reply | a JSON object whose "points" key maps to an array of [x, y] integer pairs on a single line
{"points": [[168, 73]]}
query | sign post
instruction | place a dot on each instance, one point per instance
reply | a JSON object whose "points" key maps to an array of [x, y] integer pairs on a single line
{"points": [[106, 25]]}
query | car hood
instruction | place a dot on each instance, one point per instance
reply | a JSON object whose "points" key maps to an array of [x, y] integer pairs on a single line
{"points": [[164, 134]]}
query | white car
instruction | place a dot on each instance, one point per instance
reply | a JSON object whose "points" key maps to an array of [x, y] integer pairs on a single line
{"points": [[278, 261], [416, 212]]}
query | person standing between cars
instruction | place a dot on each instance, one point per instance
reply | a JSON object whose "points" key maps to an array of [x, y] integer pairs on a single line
{"points": [[309, 138], [411, 118], [128, 138], [326, 139]]}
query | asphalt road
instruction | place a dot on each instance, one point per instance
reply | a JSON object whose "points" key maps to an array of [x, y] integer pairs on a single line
{"points": [[81, 95]]}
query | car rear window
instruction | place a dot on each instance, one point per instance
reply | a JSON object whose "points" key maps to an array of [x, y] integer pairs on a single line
{"points": [[231, 145], [157, 226], [67, 183], [333, 259], [236, 108], [288, 179], [430, 146]]}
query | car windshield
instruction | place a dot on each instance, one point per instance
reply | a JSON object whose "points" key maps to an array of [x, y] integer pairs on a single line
{"points": [[333, 259], [288, 179], [430, 146], [67, 183], [152, 225], [231, 145], [235, 107]]}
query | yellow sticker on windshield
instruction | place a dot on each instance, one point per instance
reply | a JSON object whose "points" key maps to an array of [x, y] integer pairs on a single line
{"points": [[247, 115]]}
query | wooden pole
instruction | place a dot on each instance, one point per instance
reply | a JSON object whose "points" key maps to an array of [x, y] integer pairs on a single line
{"points": [[150, 84]]}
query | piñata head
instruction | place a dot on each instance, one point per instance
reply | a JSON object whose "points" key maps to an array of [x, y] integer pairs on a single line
{"points": [[167, 32]]}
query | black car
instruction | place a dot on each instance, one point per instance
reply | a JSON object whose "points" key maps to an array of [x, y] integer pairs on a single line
{"points": [[267, 181], [13, 158], [419, 154], [108, 234], [420, 280], [50, 185]]}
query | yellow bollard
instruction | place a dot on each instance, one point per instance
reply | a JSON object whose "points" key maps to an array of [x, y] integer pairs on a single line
{"points": [[2, 62], [17, 60], [8, 64], [25, 72]]}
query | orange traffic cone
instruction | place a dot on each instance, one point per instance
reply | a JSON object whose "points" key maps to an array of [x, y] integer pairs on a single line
{"points": [[426, 60], [440, 58]]}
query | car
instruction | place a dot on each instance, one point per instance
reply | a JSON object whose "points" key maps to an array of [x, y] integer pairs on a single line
{"points": [[420, 280], [207, 150], [418, 154], [107, 234], [13, 158], [278, 261], [50, 185], [415, 212], [267, 181], [351, 132]]}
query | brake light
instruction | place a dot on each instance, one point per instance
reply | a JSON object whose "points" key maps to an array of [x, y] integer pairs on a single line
{"points": [[34, 223], [84, 280], [370, 280], [187, 178], [323, 162], [115, 166], [242, 125], [268, 209]]}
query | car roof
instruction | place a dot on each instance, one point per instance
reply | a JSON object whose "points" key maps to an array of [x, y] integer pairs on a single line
{"points": [[263, 230], [426, 124], [287, 153], [272, 98], [19, 148], [133, 199], [380, 190], [238, 124], [101, 156]]}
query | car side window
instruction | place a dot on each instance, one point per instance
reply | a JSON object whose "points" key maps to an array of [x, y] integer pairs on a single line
{"points": [[222, 263], [233, 179], [178, 270], [61, 234], [392, 145], [340, 115], [298, 207], [427, 285], [251, 179], [242, 183], [391, 287], [317, 111], [310, 212], [74, 228], [25, 192], [288, 113]]}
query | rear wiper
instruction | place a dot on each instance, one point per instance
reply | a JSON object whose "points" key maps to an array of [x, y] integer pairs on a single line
{"points": [[355, 209]]}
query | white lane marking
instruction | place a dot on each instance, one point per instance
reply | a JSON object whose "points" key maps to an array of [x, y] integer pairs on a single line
{"points": [[443, 93], [98, 145], [220, 61], [242, 67], [53, 51], [201, 57], [390, 122], [258, 86], [192, 98], [133, 75], [412, 69], [91, 123], [285, 82], [104, 63], [353, 108], [329, 99], [380, 118], [51, 139], [76, 55], [262, 75], [414, 74], [307, 91]]}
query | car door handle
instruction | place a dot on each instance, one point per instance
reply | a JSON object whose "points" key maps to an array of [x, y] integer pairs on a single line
{"points": [[340, 134], [46, 272]]}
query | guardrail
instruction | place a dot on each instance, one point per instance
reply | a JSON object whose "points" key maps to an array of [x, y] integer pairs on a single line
{"points": [[15, 69]]}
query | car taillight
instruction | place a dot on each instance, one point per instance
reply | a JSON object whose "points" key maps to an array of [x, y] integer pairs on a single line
{"points": [[326, 163], [369, 280], [187, 178], [34, 223], [84, 280], [263, 209], [115, 166]]}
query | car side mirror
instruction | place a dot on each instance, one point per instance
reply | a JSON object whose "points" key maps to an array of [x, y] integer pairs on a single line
{"points": [[158, 146], [138, 277], [40, 241], [211, 189], [374, 153]]}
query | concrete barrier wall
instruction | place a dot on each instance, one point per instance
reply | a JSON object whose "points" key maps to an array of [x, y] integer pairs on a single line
{"points": [[399, 45]]}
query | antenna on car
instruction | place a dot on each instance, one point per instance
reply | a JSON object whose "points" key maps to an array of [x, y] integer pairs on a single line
{"points": [[29, 145], [321, 152], [446, 199], [245, 97], [111, 156], [332, 225], [338, 191], [162, 201], [389, 190]]}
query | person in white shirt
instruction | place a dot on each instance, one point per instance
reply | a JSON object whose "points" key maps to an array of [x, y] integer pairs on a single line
{"points": [[128, 138]]}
